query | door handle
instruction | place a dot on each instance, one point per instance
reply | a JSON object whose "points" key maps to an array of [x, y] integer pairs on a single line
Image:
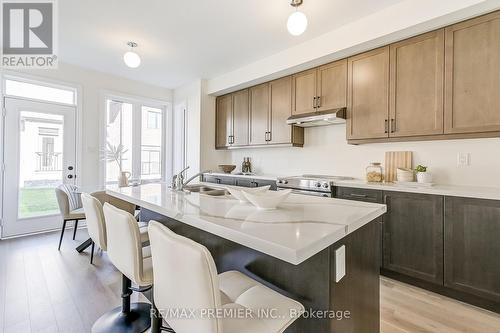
{"points": [[318, 102], [270, 136], [393, 125], [314, 102], [386, 126]]}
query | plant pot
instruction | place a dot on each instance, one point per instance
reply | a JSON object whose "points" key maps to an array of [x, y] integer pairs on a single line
{"points": [[123, 178], [424, 177]]}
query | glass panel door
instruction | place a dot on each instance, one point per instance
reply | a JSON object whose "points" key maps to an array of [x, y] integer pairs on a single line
{"points": [[39, 148]]}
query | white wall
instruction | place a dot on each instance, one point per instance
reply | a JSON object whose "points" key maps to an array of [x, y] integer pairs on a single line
{"points": [[326, 152], [92, 85], [200, 143]]}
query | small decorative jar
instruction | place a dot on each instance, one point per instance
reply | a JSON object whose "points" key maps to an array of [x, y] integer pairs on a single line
{"points": [[374, 173]]}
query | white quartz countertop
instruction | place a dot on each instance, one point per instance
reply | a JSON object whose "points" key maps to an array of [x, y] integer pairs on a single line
{"points": [[492, 193], [300, 228]]}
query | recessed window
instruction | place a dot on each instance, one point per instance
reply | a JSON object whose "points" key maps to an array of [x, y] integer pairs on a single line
{"points": [[39, 92]]}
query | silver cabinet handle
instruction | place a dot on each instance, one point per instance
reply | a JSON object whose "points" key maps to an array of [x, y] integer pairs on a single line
{"points": [[270, 136], [393, 125], [386, 126], [318, 102], [314, 102]]}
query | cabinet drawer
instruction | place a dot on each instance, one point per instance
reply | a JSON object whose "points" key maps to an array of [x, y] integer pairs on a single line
{"points": [[359, 194], [219, 180], [245, 182]]}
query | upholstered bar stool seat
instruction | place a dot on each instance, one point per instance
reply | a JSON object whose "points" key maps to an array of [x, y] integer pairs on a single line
{"points": [[127, 254], [96, 225], [186, 278]]}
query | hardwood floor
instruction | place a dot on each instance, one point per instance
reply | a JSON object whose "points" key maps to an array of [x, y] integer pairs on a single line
{"points": [[44, 290]]}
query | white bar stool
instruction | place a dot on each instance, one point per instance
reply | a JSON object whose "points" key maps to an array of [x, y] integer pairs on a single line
{"points": [[127, 254], [96, 226], [186, 278]]}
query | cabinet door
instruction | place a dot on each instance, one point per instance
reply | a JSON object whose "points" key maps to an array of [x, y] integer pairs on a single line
{"points": [[240, 118], [417, 82], [472, 246], [304, 92], [224, 121], [413, 235], [259, 114], [281, 108], [472, 67], [368, 95], [332, 86]]}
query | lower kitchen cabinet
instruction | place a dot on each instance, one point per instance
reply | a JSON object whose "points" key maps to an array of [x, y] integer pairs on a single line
{"points": [[413, 235], [472, 246]]}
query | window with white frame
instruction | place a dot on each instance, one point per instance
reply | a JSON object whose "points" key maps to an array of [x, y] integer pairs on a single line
{"points": [[39, 91], [135, 139]]}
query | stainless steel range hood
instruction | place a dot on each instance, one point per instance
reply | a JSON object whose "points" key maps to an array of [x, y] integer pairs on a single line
{"points": [[320, 118]]}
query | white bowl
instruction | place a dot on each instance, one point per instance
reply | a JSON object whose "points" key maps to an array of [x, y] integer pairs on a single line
{"points": [[267, 200], [238, 192]]}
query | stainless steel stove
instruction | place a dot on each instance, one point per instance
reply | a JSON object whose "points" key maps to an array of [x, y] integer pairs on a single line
{"points": [[318, 185]]}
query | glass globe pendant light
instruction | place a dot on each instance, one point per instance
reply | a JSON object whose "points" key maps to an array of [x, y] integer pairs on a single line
{"points": [[131, 58], [297, 21]]}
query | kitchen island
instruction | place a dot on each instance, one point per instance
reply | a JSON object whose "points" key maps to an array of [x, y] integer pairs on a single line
{"points": [[292, 250]]}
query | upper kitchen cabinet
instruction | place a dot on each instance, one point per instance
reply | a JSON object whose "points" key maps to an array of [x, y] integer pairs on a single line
{"points": [[368, 95], [240, 118], [304, 92], [320, 89], [280, 132], [259, 114], [332, 86], [224, 121], [416, 86], [472, 79], [232, 120]]}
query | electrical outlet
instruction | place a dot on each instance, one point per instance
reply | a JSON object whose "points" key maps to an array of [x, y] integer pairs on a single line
{"points": [[340, 263], [463, 159]]}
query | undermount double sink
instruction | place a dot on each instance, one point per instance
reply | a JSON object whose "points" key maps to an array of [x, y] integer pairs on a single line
{"points": [[207, 190]]}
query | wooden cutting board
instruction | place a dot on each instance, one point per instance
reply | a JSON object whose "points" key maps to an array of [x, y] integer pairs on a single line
{"points": [[394, 160]]}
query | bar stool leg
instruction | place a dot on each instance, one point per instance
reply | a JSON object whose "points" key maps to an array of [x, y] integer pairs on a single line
{"points": [[74, 231], [156, 320], [62, 234], [92, 253], [129, 318]]}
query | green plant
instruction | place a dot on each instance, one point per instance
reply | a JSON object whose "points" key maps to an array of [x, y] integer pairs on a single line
{"points": [[114, 154], [420, 168]]}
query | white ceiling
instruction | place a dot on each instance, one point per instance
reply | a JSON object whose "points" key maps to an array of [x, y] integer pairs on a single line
{"points": [[181, 40]]}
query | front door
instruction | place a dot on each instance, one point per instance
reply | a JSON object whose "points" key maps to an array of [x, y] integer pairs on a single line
{"points": [[39, 155]]}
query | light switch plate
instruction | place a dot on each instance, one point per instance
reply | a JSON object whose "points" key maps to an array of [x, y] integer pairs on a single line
{"points": [[339, 263]]}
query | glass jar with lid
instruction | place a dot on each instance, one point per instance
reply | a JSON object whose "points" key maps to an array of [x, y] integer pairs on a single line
{"points": [[374, 173]]}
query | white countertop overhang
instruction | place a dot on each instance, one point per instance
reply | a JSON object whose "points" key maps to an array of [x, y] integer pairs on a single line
{"points": [[300, 228]]}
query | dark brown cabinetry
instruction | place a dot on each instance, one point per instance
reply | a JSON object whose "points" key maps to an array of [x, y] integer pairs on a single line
{"points": [[413, 235], [224, 121], [472, 246]]}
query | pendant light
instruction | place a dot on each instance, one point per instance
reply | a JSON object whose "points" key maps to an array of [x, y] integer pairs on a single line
{"points": [[131, 58], [297, 21]]}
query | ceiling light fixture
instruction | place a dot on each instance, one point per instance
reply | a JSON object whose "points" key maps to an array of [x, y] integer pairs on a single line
{"points": [[297, 21], [131, 58]]}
